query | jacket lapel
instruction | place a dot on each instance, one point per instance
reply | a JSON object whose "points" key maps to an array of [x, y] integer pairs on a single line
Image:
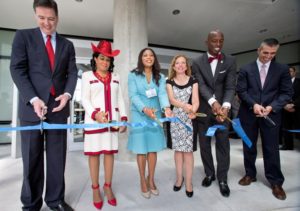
{"points": [[256, 75], [58, 50], [219, 67], [207, 69], [269, 75]]}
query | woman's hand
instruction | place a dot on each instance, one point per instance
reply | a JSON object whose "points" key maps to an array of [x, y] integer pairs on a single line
{"points": [[101, 117], [150, 112], [122, 129], [168, 112], [192, 115], [188, 108]]}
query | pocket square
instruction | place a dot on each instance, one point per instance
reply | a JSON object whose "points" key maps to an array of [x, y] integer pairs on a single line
{"points": [[224, 71]]}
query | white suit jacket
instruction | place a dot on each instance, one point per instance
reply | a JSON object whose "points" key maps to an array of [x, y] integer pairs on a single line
{"points": [[95, 99]]}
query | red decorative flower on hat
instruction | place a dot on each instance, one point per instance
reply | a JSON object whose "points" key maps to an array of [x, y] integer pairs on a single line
{"points": [[104, 48]]}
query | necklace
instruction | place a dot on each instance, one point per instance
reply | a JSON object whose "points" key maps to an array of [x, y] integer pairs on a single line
{"points": [[104, 78]]}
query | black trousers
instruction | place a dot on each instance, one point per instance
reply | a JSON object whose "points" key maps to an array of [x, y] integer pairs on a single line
{"points": [[288, 123], [33, 146], [222, 148], [270, 148]]}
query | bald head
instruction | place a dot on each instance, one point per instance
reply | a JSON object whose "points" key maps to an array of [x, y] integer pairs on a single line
{"points": [[215, 33], [214, 42]]}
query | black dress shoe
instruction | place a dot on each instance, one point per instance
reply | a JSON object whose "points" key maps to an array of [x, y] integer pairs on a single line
{"points": [[286, 148], [224, 189], [177, 188], [189, 193], [208, 180], [62, 207]]}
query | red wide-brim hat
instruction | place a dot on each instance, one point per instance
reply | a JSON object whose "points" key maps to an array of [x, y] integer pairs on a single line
{"points": [[104, 48]]}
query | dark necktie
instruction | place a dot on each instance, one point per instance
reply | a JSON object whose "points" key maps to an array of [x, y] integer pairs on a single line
{"points": [[51, 57], [211, 58]]}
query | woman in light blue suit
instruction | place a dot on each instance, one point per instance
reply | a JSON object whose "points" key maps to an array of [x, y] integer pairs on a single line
{"points": [[148, 96]]}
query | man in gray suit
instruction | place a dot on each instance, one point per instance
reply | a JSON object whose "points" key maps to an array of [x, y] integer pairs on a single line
{"points": [[44, 70], [216, 73]]}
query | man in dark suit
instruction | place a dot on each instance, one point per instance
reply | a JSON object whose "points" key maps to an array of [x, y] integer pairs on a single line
{"points": [[290, 114], [44, 70], [216, 74], [264, 87]]}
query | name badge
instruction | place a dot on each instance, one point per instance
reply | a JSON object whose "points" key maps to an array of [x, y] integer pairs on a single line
{"points": [[151, 93]]}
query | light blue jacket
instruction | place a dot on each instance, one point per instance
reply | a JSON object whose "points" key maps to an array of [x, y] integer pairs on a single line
{"points": [[137, 87]]}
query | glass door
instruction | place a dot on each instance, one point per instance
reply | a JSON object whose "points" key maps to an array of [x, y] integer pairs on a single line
{"points": [[76, 136]]}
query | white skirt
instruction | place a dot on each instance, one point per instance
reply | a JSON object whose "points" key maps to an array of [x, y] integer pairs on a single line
{"points": [[101, 143]]}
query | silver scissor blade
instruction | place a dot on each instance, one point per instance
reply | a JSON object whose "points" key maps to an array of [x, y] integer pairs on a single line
{"points": [[270, 120], [42, 122], [201, 114]]}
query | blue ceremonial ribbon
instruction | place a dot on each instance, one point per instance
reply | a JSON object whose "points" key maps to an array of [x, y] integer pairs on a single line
{"points": [[240, 131], [176, 119], [35, 127], [236, 124], [294, 131], [47, 126], [212, 130]]}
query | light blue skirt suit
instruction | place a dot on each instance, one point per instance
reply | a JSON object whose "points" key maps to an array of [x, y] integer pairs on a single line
{"points": [[146, 139]]}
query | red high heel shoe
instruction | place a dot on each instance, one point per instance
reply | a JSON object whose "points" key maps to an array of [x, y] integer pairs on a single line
{"points": [[99, 204], [112, 202]]}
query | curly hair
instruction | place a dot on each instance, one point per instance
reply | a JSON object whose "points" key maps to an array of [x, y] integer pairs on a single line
{"points": [[155, 68], [172, 72], [94, 66]]}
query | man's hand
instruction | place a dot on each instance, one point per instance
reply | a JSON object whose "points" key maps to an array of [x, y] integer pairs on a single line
{"points": [[258, 110], [267, 110], [289, 107], [223, 114], [39, 108], [216, 108], [64, 98]]}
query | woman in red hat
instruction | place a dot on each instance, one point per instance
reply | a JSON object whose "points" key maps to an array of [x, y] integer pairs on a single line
{"points": [[103, 102]]}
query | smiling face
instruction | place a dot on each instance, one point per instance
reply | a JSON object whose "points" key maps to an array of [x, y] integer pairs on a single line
{"points": [[102, 63], [46, 19], [148, 58], [180, 65], [267, 53], [215, 42]]}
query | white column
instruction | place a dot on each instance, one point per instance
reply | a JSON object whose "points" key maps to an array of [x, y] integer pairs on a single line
{"points": [[15, 135], [130, 36]]}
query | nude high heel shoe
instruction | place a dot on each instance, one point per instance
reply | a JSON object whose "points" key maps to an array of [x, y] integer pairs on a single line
{"points": [[155, 192], [146, 194]]}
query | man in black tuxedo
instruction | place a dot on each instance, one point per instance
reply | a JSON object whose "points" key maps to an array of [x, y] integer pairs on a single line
{"points": [[264, 87], [216, 74], [44, 70], [291, 113]]}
